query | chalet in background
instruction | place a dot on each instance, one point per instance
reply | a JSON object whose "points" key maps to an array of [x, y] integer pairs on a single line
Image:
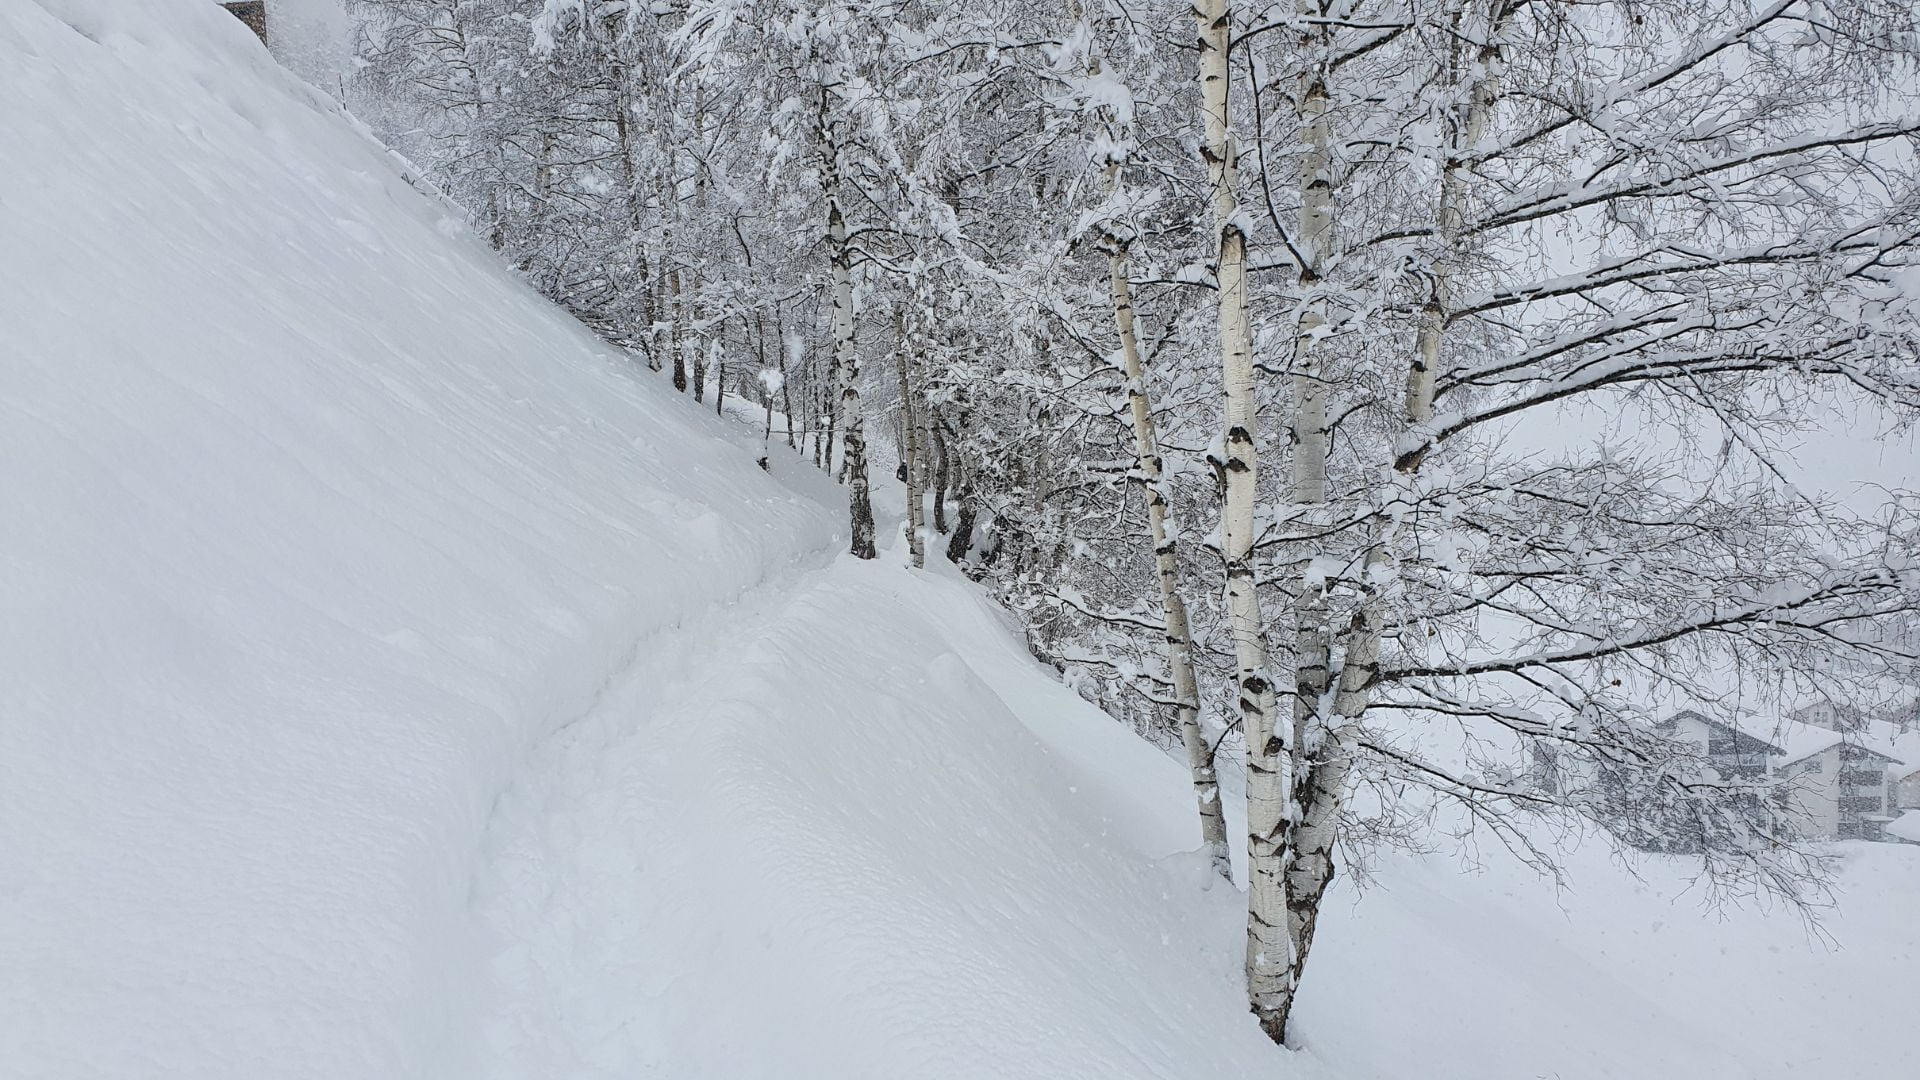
{"points": [[1849, 776]]}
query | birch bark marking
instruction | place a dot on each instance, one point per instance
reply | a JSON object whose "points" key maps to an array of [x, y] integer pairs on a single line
{"points": [[1268, 780], [1173, 609], [831, 402]]}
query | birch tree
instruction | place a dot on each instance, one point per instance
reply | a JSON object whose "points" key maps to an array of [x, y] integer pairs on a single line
{"points": [[1269, 945], [846, 357], [1098, 86], [1687, 214], [907, 350]]}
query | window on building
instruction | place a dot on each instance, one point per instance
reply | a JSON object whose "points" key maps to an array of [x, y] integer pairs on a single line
{"points": [[1861, 804]]}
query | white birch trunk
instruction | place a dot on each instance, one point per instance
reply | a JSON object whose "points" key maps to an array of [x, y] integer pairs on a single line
{"points": [[1449, 213], [1277, 832], [941, 472], [906, 346], [676, 343], [702, 360], [830, 442], [1268, 779], [786, 381], [1173, 609], [853, 442], [1325, 749]]}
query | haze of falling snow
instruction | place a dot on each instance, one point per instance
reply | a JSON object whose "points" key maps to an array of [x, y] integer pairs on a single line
{"points": [[822, 540]]}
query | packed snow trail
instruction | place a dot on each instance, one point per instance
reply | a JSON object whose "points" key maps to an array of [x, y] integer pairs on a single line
{"points": [[808, 836], [397, 683]]}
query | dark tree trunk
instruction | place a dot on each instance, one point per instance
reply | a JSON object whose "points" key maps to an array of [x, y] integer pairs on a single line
{"points": [[940, 473], [674, 341], [962, 539], [833, 415]]}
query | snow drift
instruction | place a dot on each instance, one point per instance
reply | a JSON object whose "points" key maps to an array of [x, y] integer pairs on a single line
{"points": [[398, 683]]}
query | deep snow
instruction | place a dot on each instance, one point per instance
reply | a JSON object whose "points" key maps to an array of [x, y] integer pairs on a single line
{"points": [[315, 522], [395, 682]]}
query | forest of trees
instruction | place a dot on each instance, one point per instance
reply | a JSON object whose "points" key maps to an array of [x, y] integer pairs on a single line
{"points": [[1392, 399]]}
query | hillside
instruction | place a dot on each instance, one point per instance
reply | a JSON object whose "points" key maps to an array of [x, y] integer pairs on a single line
{"points": [[319, 522], [398, 682]]}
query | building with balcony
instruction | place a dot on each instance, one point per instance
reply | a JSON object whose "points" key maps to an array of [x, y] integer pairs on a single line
{"points": [[1838, 783]]}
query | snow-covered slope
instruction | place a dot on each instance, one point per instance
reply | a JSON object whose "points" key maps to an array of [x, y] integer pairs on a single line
{"points": [[394, 683], [314, 521]]}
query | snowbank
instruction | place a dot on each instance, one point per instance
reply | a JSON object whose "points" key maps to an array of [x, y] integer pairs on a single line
{"points": [[315, 520]]}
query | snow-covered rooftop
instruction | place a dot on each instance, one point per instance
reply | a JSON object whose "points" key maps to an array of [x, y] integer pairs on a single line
{"points": [[1801, 741], [1906, 826], [1903, 747]]}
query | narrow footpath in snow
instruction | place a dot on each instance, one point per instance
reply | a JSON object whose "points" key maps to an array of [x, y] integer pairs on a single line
{"points": [[809, 834]]}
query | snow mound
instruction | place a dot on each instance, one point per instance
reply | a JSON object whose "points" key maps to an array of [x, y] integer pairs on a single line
{"points": [[316, 520]]}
